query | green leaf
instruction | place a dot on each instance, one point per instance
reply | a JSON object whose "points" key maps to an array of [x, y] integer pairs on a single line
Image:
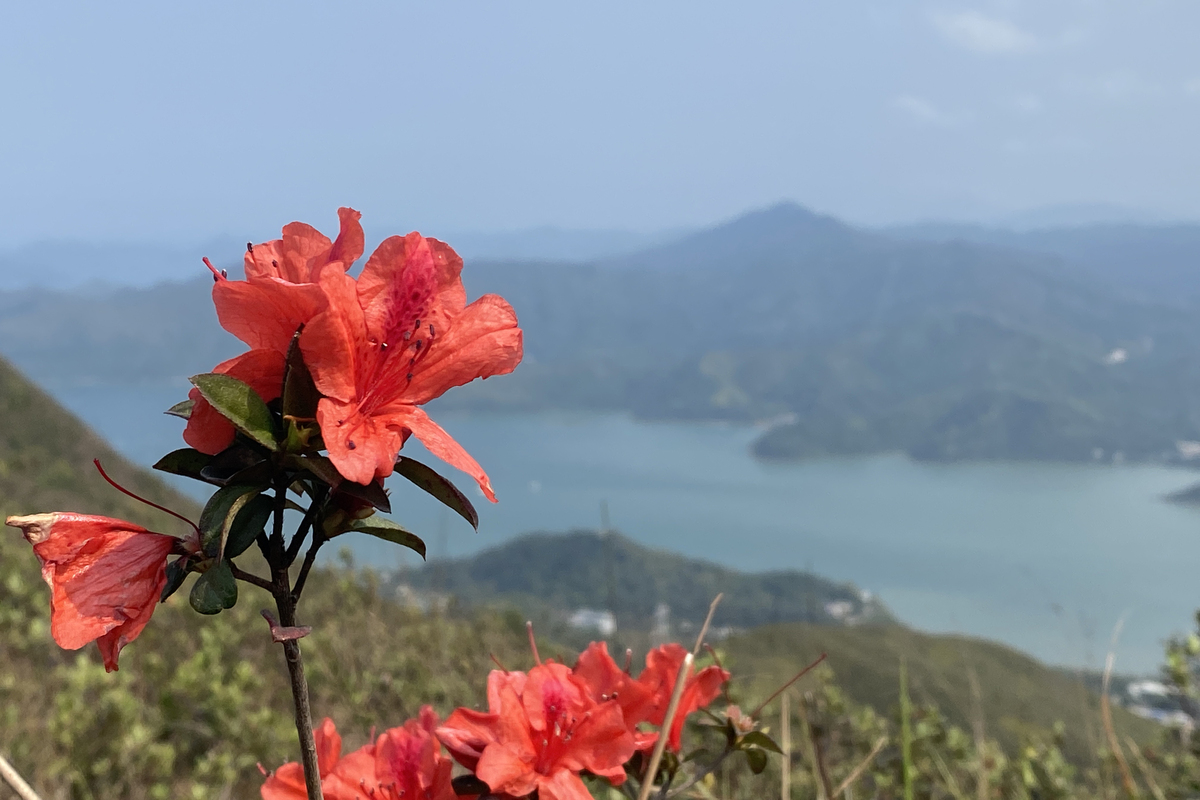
{"points": [[186, 462], [382, 528], [249, 522], [759, 739], [215, 518], [182, 409], [231, 465], [300, 394], [239, 404], [756, 759], [177, 571], [323, 468], [215, 590], [425, 478], [372, 493]]}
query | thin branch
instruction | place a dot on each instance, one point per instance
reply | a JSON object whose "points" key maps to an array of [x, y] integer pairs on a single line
{"points": [[310, 558], [712, 609], [1127, 782], [704, 773], [785, 687], [305, 524], [857, 772], [251, 578], [14, 779], [685, 670]]}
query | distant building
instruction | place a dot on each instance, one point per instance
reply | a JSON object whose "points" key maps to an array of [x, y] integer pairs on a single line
{"points": [[603, 622]]}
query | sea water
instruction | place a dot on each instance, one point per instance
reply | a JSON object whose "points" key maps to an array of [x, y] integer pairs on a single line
{"points": [[1045, 557]]}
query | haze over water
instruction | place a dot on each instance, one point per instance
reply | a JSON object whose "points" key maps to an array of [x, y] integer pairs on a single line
{"points": [[1045, 557]]}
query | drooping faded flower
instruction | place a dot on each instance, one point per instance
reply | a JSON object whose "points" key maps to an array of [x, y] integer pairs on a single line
{"points": [[393, 340], [105, 575], [539, 735]]}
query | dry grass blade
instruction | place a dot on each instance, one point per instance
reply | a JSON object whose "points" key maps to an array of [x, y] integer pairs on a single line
{"points": [[785, 744], [14, 779], [685, 670], [857, 772], [712, 609], [1144, 768], [980, 733], [1106, 715]]}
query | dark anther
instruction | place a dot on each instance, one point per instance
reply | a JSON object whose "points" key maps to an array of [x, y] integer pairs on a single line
{"points": [[383, 345], [418, 345], [418, 325], [224, 273], [410, 376], [274, 263], [431, 329], [249, 247], [341, 422], [350, 445]]}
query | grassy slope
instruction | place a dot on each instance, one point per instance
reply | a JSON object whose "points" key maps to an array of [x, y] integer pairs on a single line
{"points": [[46, 463], [1017, 693]]}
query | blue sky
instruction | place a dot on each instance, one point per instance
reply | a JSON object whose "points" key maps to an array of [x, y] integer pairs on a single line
{"points": [[186, 121]]}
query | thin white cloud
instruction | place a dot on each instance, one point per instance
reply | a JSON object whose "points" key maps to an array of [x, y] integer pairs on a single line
{"points": [[923, 111], [979, 33]]}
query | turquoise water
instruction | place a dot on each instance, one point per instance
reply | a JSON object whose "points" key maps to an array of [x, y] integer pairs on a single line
{"points": [[1043, 557]]}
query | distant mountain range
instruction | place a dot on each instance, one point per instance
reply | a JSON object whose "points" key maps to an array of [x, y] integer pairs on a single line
{"points": [[945, 342]]}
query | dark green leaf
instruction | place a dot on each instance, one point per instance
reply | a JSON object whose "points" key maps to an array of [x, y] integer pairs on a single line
{"points": [[382, 528], [323, 468], [215, 590], [214, 519], [425, 478], [250, 521], [372, 493], [759, 739], [239, 404], [756, 759], [232, 462], [177, 570], [300, 395], [182, 409], [695, 754], [186, 462], [469, 785]]}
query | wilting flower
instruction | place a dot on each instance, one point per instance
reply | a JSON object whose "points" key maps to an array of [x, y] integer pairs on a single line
{"points": [[404, 763], [105, 576], [542, 730], [662, 670], [279, 295], [396, 338]]}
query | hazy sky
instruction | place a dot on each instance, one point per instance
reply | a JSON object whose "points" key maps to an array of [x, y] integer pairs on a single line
{"points": [[167, 121]]}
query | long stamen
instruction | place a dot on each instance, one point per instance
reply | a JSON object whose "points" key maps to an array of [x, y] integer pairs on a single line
{"points": [[533, 643], [140, 499], [218, 274]]}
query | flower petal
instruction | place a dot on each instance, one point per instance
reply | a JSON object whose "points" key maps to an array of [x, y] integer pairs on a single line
{"points": [[266, 313], [331, 341], [562, 785], [361, 447], [482, 341], [440, 444]]}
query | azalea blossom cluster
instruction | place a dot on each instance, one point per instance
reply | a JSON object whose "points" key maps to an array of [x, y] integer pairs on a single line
{"points": [[543, 729], [321, 403]]}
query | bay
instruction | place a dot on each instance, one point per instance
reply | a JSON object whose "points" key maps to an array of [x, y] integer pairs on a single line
{"points": [[1044, 557]]}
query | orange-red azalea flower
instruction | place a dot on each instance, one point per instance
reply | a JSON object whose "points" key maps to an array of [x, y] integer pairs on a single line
{"points": [[540, 735], [396, 338], [662, 669], [279, 295], [207, 430], [105, 576], [607, 682], [341, 778], [404, 763]]}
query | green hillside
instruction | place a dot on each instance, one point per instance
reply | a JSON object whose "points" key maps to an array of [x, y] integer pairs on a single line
{"points": [[584, 569], [46, 464], [1018, 696]]}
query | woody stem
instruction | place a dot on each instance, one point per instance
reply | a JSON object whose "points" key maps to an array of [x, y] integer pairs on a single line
{"points": [[286, 605]]}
